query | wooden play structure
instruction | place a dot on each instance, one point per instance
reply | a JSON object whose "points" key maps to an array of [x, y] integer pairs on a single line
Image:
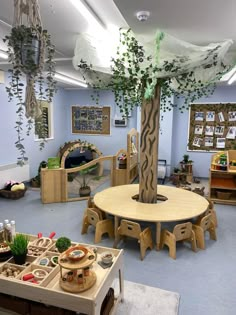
{"points": [[54, 182]]}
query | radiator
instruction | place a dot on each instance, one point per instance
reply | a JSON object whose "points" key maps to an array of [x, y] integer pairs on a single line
{"points": [[13, 172]]}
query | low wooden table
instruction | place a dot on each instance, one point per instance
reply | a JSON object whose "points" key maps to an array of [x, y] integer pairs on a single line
{"points": [[181, 205], [49, 291]]}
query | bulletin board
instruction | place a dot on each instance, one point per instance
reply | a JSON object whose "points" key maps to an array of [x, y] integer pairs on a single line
{"points": [[212, 127], [92, 120]]}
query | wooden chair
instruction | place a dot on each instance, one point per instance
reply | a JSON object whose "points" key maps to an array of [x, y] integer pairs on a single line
{"points": [[133, 229], [210, 210], [91, 204], [181, 232], [102, 226], [206, 224]]}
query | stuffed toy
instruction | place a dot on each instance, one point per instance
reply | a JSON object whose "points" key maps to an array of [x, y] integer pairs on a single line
{"points": [[14, 186]]}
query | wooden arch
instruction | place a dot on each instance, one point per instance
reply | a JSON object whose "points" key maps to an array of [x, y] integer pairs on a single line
{"points": [[71, 146]]}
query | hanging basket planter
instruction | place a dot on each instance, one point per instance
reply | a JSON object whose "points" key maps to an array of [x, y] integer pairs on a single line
{"points": [[31, 53]]}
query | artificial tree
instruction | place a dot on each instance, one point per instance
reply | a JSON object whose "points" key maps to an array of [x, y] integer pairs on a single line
{"points": [[140, 78], [31, 54]]}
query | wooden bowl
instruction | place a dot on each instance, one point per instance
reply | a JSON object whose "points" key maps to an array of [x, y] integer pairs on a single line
{"points": [[76, 253]]}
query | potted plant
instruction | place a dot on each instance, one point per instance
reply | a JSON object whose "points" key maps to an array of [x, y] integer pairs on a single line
{"points": [[31, 53], [85, 189], [186, 164], [63, 243], [19, 248]]}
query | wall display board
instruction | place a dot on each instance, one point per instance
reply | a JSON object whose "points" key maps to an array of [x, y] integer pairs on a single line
{"points": [[212, 127], [91, 120]]}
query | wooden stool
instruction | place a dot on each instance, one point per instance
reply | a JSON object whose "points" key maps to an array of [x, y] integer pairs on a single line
{"points": [[92, 217], [133, 229], [206, 224], [181, 232]]}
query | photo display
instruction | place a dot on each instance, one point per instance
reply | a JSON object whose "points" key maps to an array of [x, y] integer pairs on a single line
{"points": [[212, 127], [91, 119]]}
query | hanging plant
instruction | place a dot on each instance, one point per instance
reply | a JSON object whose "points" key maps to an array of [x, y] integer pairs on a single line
{"points": [[31, 54]]}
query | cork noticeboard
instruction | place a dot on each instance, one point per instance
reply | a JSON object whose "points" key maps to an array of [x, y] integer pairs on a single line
{"points": [[212, 127], [92, 120]]}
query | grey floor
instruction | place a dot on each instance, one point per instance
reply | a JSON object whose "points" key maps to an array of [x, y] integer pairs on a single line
{"points": [[205, 280]]}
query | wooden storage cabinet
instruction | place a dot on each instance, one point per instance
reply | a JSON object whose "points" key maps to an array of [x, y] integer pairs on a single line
{"points": [[222, 184], [51, 185]]}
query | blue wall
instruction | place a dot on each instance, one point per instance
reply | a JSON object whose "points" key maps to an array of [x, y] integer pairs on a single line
{"points": [[9, 153], [173, 135], [202, 160]]}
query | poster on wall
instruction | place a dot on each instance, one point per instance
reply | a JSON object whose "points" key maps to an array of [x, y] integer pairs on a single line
{"points": [[212, 127], [91, 120]]}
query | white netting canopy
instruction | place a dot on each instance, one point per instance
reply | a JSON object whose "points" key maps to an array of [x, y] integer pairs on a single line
{"points": [[207, 63]]}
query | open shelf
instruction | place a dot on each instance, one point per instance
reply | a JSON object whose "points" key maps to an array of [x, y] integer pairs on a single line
{"points": [[223, 181]]}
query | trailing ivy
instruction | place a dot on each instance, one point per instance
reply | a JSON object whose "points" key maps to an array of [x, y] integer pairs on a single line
{"points": [[25, 67]]}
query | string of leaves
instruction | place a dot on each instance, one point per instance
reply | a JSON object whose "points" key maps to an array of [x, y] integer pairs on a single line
{"points": [[23, 57]]}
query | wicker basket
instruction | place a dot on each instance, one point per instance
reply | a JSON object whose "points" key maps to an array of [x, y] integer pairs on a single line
{"points": [[12, 194], [223, 194]]}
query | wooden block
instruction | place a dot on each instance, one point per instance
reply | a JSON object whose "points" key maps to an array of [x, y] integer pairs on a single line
{"points": [[12, 303]]}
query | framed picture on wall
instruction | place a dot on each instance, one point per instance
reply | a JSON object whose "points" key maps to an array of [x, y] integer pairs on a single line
{"points": [[91, 120]]}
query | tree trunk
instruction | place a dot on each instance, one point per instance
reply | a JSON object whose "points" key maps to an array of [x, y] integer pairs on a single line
{"points": [[150, 115]]}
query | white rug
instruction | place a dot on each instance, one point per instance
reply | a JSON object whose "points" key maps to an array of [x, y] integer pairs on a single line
{"points": [[147, 300], [141, 299]]}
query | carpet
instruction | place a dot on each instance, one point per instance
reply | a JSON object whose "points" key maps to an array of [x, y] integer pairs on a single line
{"points": [[147, 300], [141, 299]]}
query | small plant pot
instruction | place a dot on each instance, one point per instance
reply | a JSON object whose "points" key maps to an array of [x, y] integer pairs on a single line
{"points": [[84, 191], [20, 259]]}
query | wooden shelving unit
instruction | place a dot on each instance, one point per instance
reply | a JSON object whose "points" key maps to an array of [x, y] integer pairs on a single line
{"points": [[222, 182], [127, 175]]}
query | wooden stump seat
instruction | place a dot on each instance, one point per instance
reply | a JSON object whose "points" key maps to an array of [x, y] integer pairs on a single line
{"points": [[133, 230], [181, 232]]}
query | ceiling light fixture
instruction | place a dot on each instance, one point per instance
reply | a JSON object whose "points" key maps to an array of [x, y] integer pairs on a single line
{"points": [[228, 74], [232, 79], [3, 54], [86, 11], [143, 15], [63, 78]]}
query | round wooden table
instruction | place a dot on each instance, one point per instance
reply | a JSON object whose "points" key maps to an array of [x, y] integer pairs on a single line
{"points": [[180, 205]]}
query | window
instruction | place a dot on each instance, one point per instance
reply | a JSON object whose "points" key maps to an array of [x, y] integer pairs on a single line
{"points": [[44, 126]]}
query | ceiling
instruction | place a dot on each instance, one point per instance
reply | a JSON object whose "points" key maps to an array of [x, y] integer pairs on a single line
{"points": [[199, 22]]}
